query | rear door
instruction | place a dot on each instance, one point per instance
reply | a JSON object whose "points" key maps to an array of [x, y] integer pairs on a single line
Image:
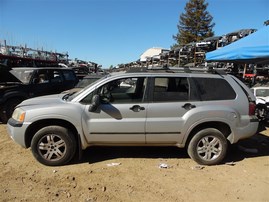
{"points": [[70, 79], [175, 100], [57, 84], [170, 101]]}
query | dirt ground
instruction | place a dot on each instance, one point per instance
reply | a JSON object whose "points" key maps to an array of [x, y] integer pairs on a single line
{"points": [[134, 174]]}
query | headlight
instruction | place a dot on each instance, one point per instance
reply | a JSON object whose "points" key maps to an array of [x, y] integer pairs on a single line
{"points": [[18, 115]]}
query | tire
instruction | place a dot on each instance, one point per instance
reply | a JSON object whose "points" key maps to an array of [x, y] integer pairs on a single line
{"points": [[208, 147], [2, 116], [9, 107], [53, 145]]}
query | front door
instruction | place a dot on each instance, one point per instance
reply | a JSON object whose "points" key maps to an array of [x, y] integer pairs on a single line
{"points": [[121, 116]]}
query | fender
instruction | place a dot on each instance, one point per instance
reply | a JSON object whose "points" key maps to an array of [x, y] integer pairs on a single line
{"points": [[198, 116]]}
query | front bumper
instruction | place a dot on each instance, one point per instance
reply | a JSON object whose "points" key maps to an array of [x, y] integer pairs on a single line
{"points": [[16, 131]]}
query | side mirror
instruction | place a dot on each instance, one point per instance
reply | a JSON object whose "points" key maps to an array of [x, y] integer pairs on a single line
{"points": [[95, 103]]}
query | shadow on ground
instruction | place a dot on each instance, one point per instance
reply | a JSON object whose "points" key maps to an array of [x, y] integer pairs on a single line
{"points": [[253, 147], [256, 146], [98, 154]]}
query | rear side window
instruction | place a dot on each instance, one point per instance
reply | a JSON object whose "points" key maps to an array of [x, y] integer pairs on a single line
{"points": [[69, 75], [170, 89], [214, 89], [56, 76]]}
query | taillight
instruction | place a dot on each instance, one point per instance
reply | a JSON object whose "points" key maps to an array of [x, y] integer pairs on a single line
{"points": [[252, 107]]}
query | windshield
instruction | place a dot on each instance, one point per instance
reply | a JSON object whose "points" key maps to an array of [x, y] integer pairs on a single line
{"points": [[86, 81], [24, 75], [72, 96], [262, 92]]}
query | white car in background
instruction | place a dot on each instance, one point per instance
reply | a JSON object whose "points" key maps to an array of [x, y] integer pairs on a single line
{"points": [[262, 101]]}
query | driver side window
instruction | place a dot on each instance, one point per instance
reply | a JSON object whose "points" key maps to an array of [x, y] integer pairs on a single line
{"points": [[125, 90]]}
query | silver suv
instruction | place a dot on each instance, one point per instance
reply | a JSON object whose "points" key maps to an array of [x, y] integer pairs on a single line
{"points": [[202, 111]]}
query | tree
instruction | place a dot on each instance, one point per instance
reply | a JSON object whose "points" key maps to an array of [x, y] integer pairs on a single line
{"points": [[195, 24]]}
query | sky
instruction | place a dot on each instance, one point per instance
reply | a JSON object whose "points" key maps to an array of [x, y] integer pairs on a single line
{"points": [[112, 32]]}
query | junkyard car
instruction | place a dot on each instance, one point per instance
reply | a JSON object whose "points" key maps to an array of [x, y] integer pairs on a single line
{"points": [[262, 101], [18, 84], [200, 111]]}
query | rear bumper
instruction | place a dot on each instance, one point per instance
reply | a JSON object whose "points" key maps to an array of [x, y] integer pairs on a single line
{"points": [[245, 131]]}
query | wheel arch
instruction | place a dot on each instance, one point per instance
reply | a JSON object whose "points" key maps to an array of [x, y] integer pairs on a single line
{"points": [[14, 95], [224, 128], [34, 127]]}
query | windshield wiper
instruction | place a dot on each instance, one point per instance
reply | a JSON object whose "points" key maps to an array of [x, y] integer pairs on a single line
{"points": [[65, 97], [68, 95]]}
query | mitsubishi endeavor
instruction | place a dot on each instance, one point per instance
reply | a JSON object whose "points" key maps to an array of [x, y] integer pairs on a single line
{"points": [[203, 111]]}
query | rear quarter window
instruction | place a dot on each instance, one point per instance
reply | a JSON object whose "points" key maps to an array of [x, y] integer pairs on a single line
{"points": [[214, 89]]}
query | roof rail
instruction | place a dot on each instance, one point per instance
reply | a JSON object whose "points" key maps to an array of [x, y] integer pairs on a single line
{"points": [[220, 71], [136, 69]]}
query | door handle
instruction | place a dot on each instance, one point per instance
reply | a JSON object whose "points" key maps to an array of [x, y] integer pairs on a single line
{"points": [[188, 106], [137, 108]]}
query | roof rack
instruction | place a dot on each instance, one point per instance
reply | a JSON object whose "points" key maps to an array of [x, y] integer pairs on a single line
{"points": [[220, 71], [211, 70]]}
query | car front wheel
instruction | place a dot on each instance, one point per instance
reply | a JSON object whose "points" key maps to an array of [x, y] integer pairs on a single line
{"points": [[53, 145], [208, 147]]}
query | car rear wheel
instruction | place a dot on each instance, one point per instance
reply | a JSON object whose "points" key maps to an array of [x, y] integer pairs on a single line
{"points": [[208, 147], [53, 145]]}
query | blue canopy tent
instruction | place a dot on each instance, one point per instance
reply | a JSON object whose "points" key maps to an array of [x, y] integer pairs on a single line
{"points": [[253, 48]]}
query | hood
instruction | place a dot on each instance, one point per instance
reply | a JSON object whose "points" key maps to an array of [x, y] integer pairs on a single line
{"points": [[43, 100]]}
